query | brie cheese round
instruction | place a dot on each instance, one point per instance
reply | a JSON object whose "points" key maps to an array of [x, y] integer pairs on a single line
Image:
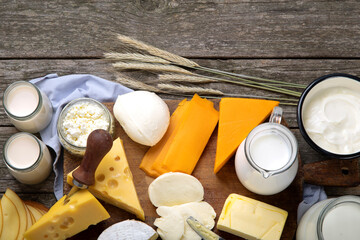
{"points": [[129, 230]]}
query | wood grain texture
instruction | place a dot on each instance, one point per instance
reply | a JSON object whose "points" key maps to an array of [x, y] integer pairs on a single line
{"points": [[217, 187], [344, 173], [225, 29]]}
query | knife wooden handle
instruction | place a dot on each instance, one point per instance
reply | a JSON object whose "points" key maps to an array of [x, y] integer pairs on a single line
{"points": [[333, 172], [98, 145]]}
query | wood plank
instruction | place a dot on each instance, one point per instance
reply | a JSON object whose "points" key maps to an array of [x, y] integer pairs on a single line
{"points": [[290, 70], [236, 29], [45, 187]]}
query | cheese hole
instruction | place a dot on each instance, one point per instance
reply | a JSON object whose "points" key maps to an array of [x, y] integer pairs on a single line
{"points": [[100, 177], [112, 183], [111, 169], [117, 158], [51, 229], [46, 236], [63, 227], [68, 221], [56, 235]]}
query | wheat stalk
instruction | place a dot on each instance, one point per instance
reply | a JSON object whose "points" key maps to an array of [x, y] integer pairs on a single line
{"points": [[184, 78], [135, 57], [243, 77], [169, 89], [151, 67], [178, 63], [186, 89], [156, 51], [132, 83], [178, 60]]}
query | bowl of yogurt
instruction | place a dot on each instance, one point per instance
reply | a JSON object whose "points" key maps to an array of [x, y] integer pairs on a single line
{"points": [[78, 119], [328, 115]]}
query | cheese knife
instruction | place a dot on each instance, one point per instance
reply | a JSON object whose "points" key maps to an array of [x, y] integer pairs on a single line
{"points": [[98, 145], [201, 230]]}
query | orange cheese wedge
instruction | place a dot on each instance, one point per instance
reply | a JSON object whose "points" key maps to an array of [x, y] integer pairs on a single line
{"points": [[158, 151], [238, 116], [191, 126]]}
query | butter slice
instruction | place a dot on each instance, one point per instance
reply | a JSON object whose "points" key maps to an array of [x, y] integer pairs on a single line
{"points": [[114, 182], [65, 220], [251, 219]]}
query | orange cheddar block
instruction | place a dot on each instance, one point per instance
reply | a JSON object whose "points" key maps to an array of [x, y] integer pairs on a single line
{"points": [[191, 126], [158, 150], [238, 116]]}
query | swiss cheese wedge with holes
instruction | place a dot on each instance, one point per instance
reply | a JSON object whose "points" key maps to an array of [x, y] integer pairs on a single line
{"points": [[114, 182], [65, 219]]}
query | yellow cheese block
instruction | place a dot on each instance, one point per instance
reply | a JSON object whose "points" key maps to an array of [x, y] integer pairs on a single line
{"points": [[114, 182], [65, 220], [251, 219]]}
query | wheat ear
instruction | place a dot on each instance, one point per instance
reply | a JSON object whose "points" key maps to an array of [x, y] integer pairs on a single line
{"points": [[151, 67], [135, 57], [186, 89], [156, 51], [184, 78], [132, 83]]}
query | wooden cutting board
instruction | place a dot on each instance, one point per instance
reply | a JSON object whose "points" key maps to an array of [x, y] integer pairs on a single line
{"points": [[217, 187]]}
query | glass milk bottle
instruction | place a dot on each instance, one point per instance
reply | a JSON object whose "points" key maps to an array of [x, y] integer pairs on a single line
{"points": [[266, 161], [28, 108], [331, 219], [27, 158]]}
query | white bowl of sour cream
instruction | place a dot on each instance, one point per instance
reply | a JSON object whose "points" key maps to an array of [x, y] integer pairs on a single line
{"points": [[329, 115]]}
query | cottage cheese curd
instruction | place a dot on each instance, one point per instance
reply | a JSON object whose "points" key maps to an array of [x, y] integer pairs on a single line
{"points": [[81, 119], [78, 119], [332, 120]]}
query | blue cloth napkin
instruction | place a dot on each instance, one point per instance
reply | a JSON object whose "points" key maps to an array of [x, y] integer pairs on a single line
{"points": [[311, 195], [62, 90]]}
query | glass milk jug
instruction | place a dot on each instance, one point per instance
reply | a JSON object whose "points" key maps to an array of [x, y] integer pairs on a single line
{"points": [[266, 161]]}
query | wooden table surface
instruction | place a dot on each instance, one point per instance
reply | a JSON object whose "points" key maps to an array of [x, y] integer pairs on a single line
{"points": [[293, 41]]}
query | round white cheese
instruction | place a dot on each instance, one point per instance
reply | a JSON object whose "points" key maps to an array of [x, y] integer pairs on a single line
{"points": [[129, 230], [175, 188], [143, 115]]}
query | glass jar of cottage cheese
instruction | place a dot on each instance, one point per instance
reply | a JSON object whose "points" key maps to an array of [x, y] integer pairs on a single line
{"points": [[78, 119]]}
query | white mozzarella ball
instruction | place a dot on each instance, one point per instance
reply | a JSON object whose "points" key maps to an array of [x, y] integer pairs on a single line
{"points": [[143, 115]]}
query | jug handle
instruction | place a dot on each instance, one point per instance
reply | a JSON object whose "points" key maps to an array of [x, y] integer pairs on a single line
{"points": [[276, 115]]}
